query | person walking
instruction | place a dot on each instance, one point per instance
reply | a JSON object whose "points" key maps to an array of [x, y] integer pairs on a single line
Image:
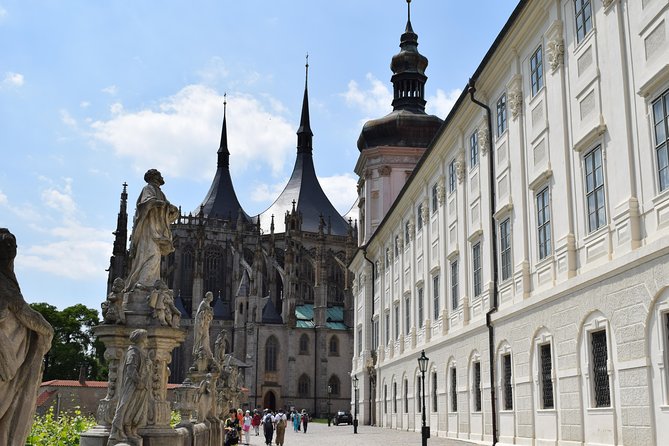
{"points": [[305, 420], [246, 427], [231, 429], [296, 420], [268, 426], [255, 422], [281, 422]]}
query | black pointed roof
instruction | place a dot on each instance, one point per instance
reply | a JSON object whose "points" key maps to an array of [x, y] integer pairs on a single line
{"points": [[221, 200], [303, 189], [407, 125]]}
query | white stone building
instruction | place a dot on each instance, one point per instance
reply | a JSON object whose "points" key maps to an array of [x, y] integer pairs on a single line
{"points": [[535, 237]]}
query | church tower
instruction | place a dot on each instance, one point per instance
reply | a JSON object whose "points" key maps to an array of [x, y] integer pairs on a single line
{"points": [[391, 146], [118, 264]]}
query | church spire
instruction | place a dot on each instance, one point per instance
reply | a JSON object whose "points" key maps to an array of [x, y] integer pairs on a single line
{"points": [[117, 264], [304, 134], [223, 152], [409, 72]]}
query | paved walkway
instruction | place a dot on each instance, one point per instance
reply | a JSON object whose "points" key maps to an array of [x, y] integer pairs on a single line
{"points": [[321, 435]]}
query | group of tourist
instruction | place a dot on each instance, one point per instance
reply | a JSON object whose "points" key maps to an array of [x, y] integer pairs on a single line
{"points": [[273, 425]]}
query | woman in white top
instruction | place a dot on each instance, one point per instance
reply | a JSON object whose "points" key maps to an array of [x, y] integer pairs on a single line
{"points": [[246, 427]]}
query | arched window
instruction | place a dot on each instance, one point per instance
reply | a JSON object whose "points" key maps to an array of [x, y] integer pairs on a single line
{"points": [[271, 350], [334, 346], [395, 397], [304, 344], [303, 385], [406, 395], [335, 385], [214, 270]]}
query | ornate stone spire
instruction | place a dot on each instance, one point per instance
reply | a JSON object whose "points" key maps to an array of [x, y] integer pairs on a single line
{"points": [[117, 264], [304, 134], [223, 152]]}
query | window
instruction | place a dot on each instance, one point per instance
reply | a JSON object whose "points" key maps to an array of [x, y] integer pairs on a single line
{"points": [[335, 385], [435, 297], [387, 259], [334, 346], [583, 18], [454, 285], [505, 248], [359, 341], [473, 150], [501, 115], [600, 373], [396, 309], [407, 233], [476, 267], [434, 393], [397, 246], [407, 315], [420, 308], [417, 397], [387, 328], [454, 390], [435, 198], [477, 386], [451, 177], [395, 397], [507, 390], [303, 385], [545, 370], [375, 334], [406, 396], [385, 398], [661, 131], [543, 223], [271, 347], [419, 217], [304, 344], [594, 189], [537, 71]]}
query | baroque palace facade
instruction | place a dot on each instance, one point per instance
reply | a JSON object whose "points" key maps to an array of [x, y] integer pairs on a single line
{"points": [[526, 250], [282, 301]]}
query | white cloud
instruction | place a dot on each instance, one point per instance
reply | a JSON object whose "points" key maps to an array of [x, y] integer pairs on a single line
{"points": [[67, 119], [181, 134], [340, 190], [110, 90], [13, 79], [214, 71], [441, 104], [60, 199], [374, 101], [3, 199], [3, 13], [84, 104], [267, 193]]}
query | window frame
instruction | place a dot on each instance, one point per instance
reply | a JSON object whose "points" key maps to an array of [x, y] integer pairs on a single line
{"points": [[452, 177], [477, 400], [544, 234], [473, 150], [543, 381], [537, 70], [661, 148], [436, 307], [477, 270], [597, 192], [407, 314], [271, 354], [455, 292], [579, 12], [507, 381], [454, 388], [501, 115], [505, 252], [420, 306], [599, 371], [435, 198]]}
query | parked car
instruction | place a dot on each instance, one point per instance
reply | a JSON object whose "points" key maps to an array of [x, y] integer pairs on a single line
{"points": [[343, 416]]}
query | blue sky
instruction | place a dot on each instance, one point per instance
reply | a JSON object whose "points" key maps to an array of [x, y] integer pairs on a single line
{"points": [[93, 94]]}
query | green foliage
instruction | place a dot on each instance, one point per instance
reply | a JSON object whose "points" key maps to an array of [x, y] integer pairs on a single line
{"points": [[73, 343], [175, 418], [63, 431]]}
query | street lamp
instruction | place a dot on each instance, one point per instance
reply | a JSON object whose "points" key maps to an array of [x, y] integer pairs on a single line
{"points": [[329, 393], [422, 365], [355, 404]]}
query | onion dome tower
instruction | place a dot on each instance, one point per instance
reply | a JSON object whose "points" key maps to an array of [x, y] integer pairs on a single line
{"points": [[392, 145], [303, 196], [221, 200]]}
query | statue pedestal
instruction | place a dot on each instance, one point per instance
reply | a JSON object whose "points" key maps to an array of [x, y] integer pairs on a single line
{"points": [[161, 340]]}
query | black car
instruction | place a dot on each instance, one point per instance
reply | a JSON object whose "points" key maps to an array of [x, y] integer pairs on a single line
{"points": [[343, 416]]}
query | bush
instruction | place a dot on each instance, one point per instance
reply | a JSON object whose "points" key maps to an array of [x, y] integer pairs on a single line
{"points": [[63, 431]]}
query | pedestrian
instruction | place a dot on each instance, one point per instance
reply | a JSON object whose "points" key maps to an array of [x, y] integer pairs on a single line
{"points": [[246, 427], [268, 426], [305, 420], [255, 422], [232, 429], [296, 421], [281, 422]]}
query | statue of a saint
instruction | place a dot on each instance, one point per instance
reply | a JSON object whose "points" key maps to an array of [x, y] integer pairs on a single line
{"points": [[25, 336], [161, 302], [205, 399], [203, 318], [220, 347], [151, 234], [134, 393], [112, 308]]}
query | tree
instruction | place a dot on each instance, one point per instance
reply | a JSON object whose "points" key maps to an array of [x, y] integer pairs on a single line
{"points": [[74, 344]]}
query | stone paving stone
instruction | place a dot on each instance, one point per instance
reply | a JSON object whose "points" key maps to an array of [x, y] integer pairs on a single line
{"points": [[321, 435]]}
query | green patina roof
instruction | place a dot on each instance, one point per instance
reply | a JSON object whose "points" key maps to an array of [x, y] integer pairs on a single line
{"points": [[334, 317]]}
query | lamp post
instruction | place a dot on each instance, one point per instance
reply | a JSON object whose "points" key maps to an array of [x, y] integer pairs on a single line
{"points": [[355, 404], [329, 393], [422, 365]]}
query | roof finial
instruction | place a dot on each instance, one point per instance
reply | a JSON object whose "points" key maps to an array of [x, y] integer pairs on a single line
{"points": [[225, 103], [408, 10], [306, 68]]}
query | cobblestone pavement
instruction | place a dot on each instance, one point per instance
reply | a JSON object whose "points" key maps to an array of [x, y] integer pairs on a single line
{"points": [[321, 435]]}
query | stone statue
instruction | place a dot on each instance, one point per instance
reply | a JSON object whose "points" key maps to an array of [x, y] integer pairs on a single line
{"points": [[205, 399], [112, 308], [133, 400], [203, 318], [161, 302], [219, 347], [151, 234], [25, 336]]}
